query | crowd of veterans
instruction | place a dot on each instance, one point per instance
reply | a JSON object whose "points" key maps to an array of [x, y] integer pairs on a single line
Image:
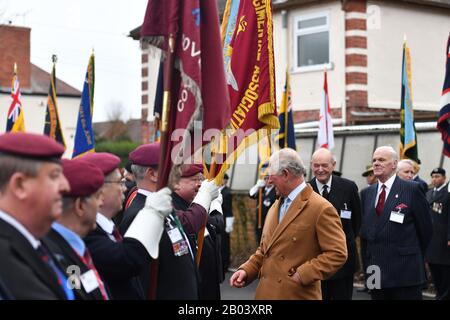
{"points": [[87, 229]]}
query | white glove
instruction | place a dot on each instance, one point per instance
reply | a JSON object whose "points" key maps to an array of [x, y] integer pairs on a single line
{"points": [[207, 192], [148, 226], [259, 184], [160, 201], [229, 224], [216, 204]]}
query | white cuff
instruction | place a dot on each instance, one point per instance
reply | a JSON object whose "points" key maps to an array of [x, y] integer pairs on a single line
{"points": [[147, 228]]}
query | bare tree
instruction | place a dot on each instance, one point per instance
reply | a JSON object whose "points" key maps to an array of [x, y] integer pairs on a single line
{"points": [[116, 126]]}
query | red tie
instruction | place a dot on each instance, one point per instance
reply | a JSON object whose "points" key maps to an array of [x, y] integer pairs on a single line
{"points": [[87, 259], [381, 198], [116, 235]]}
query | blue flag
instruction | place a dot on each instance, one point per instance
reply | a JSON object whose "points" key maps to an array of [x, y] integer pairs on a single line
{"points": [[408, 140], [84, 136]]}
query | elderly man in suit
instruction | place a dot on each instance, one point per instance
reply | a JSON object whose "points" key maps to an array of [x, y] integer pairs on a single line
{"points": [[343, 195], [302, 241], [31, 183], [405, 169], [80, 207], [396, 229]]}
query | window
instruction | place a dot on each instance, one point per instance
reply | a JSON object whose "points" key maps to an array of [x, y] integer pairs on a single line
{"points": [[311, 42]]}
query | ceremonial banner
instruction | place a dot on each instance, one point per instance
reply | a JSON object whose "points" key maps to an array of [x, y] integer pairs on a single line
{"points": [[52, 126], [198, 94], [325, 135], [286, 135], [251, 79], [408, 141], [443, 123], [15, 121], [84, 135]]}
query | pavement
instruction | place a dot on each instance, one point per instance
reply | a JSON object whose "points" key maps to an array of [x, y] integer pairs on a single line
{"points": [[248, 293]]}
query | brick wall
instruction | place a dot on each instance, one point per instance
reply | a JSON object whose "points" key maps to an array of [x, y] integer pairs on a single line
{"points": [[15, 47], [355, 56]]}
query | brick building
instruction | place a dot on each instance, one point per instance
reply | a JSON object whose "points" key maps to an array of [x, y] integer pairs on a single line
{"points": [[15, 45]]}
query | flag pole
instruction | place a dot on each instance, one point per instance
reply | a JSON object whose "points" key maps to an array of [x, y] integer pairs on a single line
{"points": [[163, 170], [260, 209], [201, 234]]}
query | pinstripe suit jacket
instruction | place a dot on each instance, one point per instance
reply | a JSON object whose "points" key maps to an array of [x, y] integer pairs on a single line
{"points": [[396, 248]]}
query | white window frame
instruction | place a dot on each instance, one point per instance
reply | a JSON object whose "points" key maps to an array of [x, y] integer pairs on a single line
{"points": [[297, 32]]}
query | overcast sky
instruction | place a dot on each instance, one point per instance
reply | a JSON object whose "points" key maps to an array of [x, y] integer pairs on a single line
{"points": [[71, 29]]}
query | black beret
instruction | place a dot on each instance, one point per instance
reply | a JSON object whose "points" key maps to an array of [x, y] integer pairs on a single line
{"points": [[438, 171]]}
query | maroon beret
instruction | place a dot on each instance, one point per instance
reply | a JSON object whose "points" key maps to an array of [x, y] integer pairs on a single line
{"points": [[84, 178], [145, 155], [31, 146], [107, 162], [191, 170]]}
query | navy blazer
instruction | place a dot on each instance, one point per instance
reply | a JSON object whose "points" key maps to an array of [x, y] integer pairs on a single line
{"points": [[24, 273], [396, 248], [119, 263], [344, 194], [66, 256], [438, 251]]}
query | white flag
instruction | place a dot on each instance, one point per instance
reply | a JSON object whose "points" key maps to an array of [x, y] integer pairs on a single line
{"points": [[325, 136]]}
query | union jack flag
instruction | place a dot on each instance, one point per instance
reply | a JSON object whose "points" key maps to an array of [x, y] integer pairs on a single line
{"points": [[443, 123], [15, 121]]}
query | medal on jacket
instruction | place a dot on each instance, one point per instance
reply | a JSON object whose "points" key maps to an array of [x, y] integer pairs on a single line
{"points": [[437, 207]]}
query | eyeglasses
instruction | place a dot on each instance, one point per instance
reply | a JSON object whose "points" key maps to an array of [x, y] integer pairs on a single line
{"points": [[119, 182]]}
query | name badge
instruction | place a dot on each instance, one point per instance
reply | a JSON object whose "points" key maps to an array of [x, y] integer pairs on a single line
{"points": [[397, 216], [179, 245], [346, 214], [89, 281], [175, 235]]}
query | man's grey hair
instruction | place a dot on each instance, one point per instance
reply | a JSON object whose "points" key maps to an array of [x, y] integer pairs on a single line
{"points": [[287, 159], [11, 164], [401, 162], [392, 151], [138, 171]]}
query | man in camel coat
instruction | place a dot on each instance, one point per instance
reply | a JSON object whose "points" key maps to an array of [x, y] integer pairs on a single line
{"points": [[302, 241]]}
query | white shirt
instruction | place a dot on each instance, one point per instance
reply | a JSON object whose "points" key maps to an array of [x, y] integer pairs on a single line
{"points": [[320, 185], [294, 193], [440, 188], [35, 243], [144, 192], [267, 190], [106, 224], [388, 188]]}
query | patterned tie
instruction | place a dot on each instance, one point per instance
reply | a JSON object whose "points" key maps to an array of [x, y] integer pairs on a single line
{"points": [[284, 207], [116, 234], [87, 259], [325, 193], [62, 280], [381, 199]]}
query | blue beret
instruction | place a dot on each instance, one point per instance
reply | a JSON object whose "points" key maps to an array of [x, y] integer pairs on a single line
{"points": [[31, 146], [145, 155], [107, 162], [84, 178]]}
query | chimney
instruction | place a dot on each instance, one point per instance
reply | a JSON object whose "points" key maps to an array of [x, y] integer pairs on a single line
{"points": [[15, 47]]}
